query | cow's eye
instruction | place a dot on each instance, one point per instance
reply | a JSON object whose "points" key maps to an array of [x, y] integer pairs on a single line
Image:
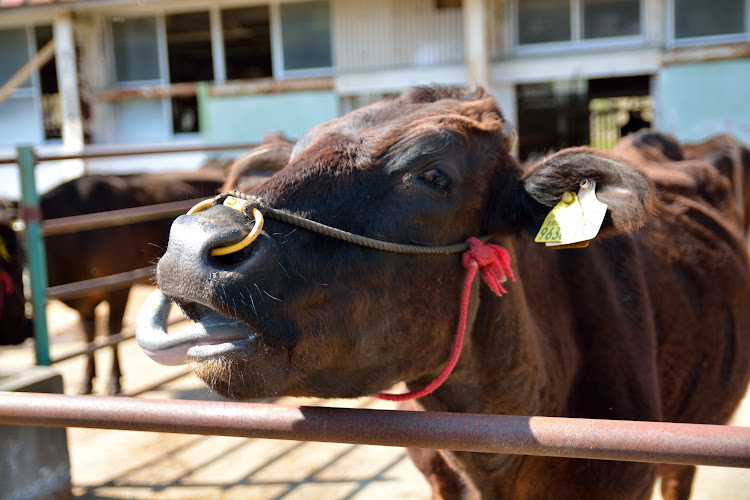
{"points": [[438, 179]]}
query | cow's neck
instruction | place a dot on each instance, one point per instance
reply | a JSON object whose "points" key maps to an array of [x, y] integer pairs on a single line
{"points": [[500, 369]]}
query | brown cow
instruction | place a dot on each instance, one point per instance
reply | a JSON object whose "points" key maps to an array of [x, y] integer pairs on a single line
{"points": [[725, 153], [103, 252], [732, 159], [650, 322]]}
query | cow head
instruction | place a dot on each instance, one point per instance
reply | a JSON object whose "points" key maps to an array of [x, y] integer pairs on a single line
{"points": [[15, 327], [297, 313]]}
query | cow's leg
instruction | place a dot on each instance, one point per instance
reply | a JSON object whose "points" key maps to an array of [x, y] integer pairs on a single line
{"points": [[445, 482], [117, 302], [676, 481], [88, 322]]}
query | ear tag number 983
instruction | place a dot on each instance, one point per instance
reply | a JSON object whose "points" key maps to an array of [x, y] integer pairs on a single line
{"points": [[563, 221]]}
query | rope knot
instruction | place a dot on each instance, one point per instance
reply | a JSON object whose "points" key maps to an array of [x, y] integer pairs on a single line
{"points": [[493, 261], [253, 201]]}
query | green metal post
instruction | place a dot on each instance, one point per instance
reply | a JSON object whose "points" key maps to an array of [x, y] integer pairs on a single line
{"points": [[37, 262]]}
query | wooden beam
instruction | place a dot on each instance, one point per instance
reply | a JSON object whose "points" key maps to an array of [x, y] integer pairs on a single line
{"points": [[704, 53], [259, 86], [40, 59]]}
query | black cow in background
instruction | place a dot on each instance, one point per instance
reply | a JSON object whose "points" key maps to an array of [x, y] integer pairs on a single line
{"points": [[15, 327], [107, 251]]}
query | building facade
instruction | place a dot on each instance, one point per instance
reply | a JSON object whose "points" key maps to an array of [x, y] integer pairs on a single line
{"points": [[566, 72]]}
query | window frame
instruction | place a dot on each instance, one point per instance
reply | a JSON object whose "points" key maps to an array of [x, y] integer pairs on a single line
{"points": [[33, 89], [672, 41], [277, 47], [577, 41], [217, 51], [163, 65]]}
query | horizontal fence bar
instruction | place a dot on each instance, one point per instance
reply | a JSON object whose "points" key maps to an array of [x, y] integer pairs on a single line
{"points": [[654, 442], [112, 218], [111, 282], [90, 153]]}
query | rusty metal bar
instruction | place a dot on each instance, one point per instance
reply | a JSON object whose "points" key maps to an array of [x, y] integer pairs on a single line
{"points": [[90, 153], [545, 436], [111, 282], [112, 218]]}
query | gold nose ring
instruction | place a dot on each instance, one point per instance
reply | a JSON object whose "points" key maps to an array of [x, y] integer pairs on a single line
{"points": [[239, 205]]}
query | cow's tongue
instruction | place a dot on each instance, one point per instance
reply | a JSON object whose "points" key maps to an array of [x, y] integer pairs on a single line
{"points": [[213, 335]]}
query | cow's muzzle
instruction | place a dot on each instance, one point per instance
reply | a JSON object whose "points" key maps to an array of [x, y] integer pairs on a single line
{"points": [[204, 249]]}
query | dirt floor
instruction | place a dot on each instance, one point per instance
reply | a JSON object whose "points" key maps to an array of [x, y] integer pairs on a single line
{"points": [[142, 465]]}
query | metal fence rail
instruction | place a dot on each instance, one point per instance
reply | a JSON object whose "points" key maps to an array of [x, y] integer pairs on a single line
{"points": [[654, 442]]}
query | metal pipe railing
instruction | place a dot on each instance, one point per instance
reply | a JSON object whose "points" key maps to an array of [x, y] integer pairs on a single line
{"points": [[113, 218], [111, 282], [94, 152], [656, 442]]}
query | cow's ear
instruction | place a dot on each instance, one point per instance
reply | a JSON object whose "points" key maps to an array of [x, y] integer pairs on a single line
{"points": [[251, 168], [625, 190]]}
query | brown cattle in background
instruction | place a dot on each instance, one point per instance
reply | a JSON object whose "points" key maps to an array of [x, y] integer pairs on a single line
{"points": [[725, 153], [649, 322], [732, 159], [102, 252]]}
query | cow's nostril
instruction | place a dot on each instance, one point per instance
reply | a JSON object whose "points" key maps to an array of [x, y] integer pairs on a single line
{"points": [[230, 260], [244, 242]]}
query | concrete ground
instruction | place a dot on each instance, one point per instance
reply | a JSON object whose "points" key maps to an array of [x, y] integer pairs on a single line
{"points": [[142, 465]]}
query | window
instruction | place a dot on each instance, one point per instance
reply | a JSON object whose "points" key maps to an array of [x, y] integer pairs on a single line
{"points": [[576, 21], [51, 105], [189, 47], [551, 116], [189, 56], [281, 39], [306, 35], [19, 115], [247, 42], [603, 18], [14, 55], [542, 21], [136, 54], [31, 113], [699, 18]]}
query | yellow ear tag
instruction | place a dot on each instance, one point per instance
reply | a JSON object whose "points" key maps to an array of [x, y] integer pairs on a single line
{"points": [[593, 216], [563, 221]]}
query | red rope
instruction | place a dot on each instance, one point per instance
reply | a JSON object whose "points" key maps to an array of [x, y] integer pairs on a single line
{"points": [[494, 262], [6, 287], [6, 283]]}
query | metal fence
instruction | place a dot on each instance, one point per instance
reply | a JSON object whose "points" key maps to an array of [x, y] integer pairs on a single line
{"points": [[654, 442]]}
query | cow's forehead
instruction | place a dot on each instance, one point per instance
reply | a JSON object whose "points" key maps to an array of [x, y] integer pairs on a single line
{"points": [[383, 124]]}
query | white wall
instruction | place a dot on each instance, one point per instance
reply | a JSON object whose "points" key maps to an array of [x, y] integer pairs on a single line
{"points": [[382, 34]]}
